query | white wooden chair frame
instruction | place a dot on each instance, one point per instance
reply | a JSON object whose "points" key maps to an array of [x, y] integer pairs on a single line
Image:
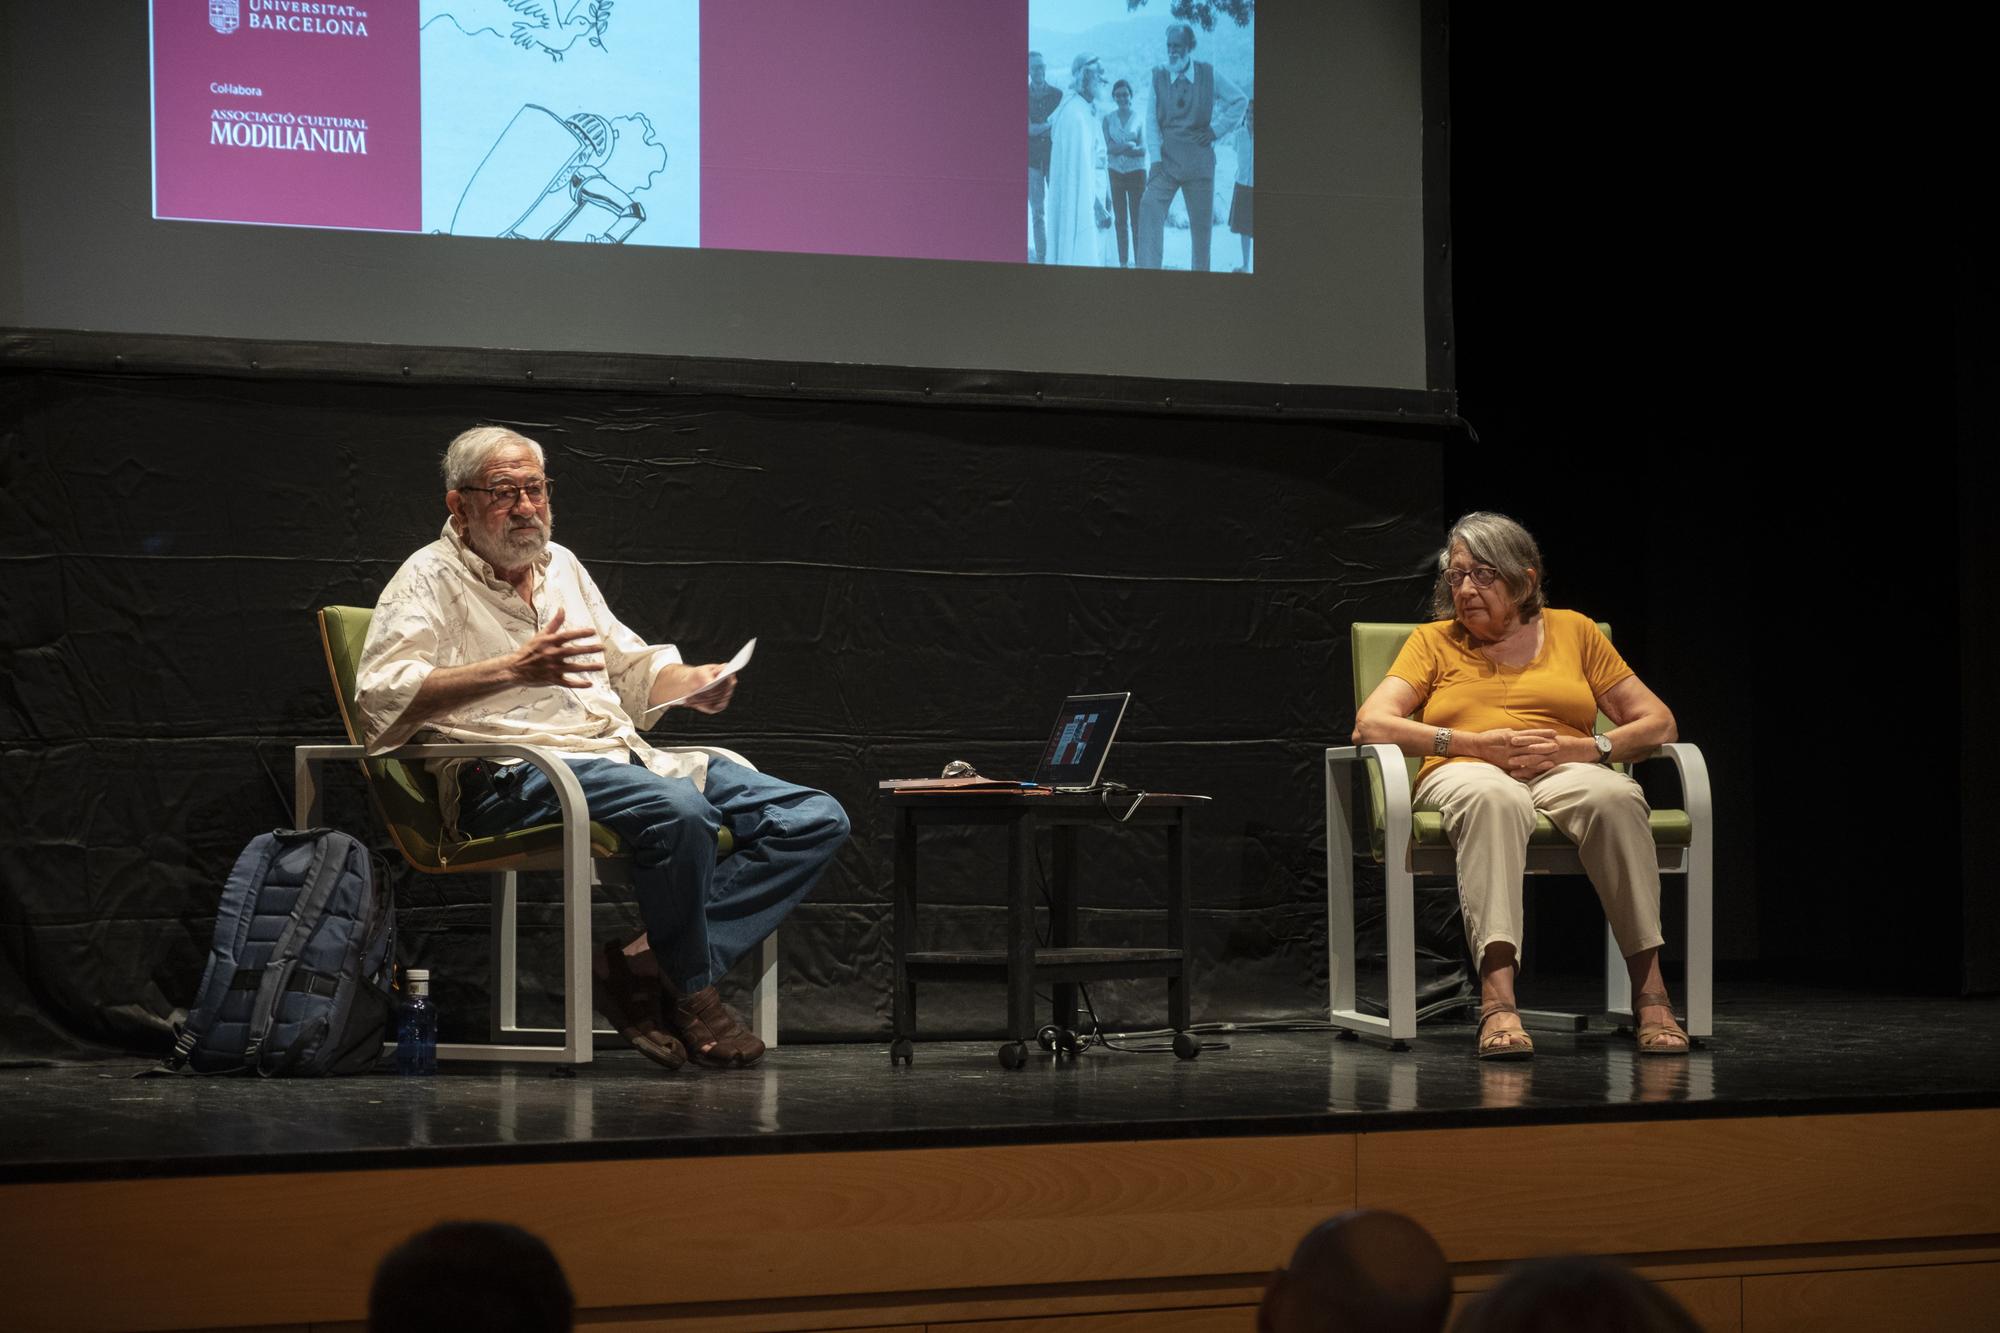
{"points": [[1346, 798], [574, 1042]]}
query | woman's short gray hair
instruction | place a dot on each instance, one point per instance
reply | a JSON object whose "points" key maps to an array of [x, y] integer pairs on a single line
{"points": [[467, 456], [1496, 540]]}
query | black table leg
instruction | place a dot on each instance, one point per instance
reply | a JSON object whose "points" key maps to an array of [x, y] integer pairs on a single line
{"points": [[904, 927], [1181, 981], [1020, 928], [1063, 917]]}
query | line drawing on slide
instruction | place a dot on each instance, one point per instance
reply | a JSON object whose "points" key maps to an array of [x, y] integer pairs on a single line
{"points": [[549, 26], [553, 178]]}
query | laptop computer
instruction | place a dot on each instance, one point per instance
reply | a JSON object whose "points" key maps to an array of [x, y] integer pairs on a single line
{"points": [[1080, 741], [1072, 759]]}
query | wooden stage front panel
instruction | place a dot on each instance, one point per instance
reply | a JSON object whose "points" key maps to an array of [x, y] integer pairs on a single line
{"points": [[1758, 1223]]}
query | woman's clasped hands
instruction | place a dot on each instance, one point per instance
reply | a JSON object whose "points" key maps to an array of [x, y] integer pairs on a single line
{"points": [[1523, 753]]}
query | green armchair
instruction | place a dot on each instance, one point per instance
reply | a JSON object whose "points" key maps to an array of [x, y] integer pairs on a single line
{"points": [[587, 853], [1407, 842]]}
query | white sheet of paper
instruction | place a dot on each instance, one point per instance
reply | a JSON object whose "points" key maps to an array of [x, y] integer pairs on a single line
{"points": [[729, 668]]}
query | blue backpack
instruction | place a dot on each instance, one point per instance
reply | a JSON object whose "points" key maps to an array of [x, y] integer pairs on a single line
{"points": [[297, 981]]}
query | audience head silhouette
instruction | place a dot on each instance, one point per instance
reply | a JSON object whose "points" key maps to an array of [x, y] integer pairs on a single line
{"points": [[1369, 1269], [1575, 1292], [463, 1275]]}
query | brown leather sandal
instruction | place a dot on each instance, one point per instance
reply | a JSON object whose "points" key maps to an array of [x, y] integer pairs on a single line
{"points": [[626, 990], [1667, 1038], [712, 1034], [1506, 1044]]}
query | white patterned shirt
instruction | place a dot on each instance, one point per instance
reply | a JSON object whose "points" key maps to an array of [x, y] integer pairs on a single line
{"points": [[446, 607]]}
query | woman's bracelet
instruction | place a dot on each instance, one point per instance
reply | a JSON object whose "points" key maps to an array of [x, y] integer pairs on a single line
{"points": [[1441, 743]]}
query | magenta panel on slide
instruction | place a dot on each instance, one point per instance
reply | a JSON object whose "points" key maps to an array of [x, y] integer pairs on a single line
{"points": [[892, 128], [286, 112]]}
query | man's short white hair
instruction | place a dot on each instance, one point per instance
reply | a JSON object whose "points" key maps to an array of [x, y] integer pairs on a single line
{"points": [[466, 457]]}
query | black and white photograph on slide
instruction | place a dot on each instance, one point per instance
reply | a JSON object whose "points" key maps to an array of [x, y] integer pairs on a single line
{"points": [[1141, 134]]}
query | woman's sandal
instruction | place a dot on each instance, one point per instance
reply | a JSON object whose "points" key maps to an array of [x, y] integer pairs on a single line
{"points": [[1506, 1044], [1667, 1038]]}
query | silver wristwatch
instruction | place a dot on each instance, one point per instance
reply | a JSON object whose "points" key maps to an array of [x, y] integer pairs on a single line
{"points": [[1603, 748], [1441, 742]]}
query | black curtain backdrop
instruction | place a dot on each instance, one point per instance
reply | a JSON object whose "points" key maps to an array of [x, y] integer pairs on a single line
{"points": [[926, 584]]}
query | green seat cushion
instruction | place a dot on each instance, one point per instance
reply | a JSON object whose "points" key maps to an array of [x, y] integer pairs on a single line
{"points": [[1671, 828], [542, 843]]}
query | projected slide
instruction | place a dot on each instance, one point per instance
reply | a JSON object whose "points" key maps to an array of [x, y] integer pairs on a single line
{"points": [[862, 127]]}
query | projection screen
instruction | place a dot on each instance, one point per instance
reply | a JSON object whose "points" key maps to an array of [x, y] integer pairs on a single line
{"points": [[1043, 187]]}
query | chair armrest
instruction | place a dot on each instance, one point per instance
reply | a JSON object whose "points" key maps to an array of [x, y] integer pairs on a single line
{"points": [[306, 760], [1693, 772], [1385, 755], [1341, 761]]}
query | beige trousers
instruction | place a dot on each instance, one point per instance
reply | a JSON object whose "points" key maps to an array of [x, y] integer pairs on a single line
{"points": [[1489, 815]]}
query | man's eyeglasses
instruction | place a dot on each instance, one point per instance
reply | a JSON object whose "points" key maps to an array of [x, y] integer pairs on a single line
{"points": [[1482, 576], [506, 497]]}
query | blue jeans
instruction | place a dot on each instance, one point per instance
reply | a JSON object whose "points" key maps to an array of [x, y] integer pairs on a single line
{"points": [[701, 914]]}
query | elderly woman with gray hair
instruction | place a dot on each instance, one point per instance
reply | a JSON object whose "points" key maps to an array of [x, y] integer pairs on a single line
{"points": [[1499, 697]]}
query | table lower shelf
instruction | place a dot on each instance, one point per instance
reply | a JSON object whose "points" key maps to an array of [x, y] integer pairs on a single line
{"points": [[1049, 964]]}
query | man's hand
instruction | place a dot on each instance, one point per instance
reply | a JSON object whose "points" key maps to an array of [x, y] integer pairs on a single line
{"points": [[715, 697], [553, 656], [703, 692], [1203, 135]]}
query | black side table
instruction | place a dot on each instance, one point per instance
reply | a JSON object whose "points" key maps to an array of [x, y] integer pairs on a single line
{"points": [[1022, 964]]}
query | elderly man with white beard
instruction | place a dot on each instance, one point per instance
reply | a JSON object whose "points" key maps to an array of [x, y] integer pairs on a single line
{"points": [[494, 633], [1193, 106]]}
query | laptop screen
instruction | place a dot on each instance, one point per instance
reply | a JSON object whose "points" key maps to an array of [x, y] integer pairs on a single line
{"points": [[1074, 755]]}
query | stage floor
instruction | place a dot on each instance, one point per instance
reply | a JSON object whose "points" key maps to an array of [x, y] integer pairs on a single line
{"points": [[1776, 1051]]}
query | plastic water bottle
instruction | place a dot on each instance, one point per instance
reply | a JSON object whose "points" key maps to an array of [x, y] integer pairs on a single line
{"points": [[416, 1025]]}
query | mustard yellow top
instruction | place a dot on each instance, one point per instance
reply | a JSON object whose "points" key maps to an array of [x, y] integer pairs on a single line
{"points": [[1459, 687]]}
